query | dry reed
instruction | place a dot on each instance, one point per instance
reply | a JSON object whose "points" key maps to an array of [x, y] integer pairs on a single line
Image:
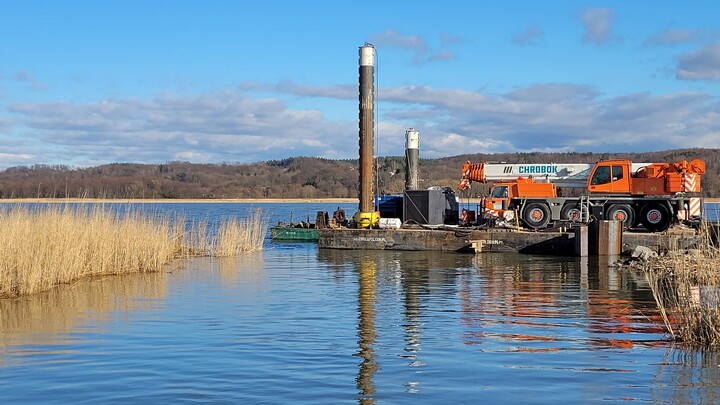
{"points": [[686, 288], [245, 235], [41, 248]]}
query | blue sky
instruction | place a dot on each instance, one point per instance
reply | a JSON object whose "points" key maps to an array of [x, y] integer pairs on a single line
{"points": [[91, 82]]}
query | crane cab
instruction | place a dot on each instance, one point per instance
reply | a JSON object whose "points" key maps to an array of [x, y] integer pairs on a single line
{"points": [[610, 177]]}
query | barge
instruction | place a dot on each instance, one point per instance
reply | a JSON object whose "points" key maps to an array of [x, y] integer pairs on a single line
{"points": [[494, 240]]}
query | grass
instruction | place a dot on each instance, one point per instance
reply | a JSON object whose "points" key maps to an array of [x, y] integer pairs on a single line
{"points": [[42, 248], [686, 287]]}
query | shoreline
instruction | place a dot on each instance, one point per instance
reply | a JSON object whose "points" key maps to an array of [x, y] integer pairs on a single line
{"points": [[211, 201], [173, 201]]}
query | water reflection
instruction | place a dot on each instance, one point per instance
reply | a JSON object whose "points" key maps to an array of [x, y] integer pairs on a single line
{"points": [[366, 330], [688, 376], [507, 304], [40, 323], [225, 271], [36, 324], [546, 295], [302, 325]]}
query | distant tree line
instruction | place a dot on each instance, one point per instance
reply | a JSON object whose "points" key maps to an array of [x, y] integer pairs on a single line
{"points": [[298, 177]]}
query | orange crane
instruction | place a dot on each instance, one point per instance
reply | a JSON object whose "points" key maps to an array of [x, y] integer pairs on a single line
{"points": [[641, 194]]}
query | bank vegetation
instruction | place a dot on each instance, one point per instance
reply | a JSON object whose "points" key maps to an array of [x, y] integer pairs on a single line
{"points": [[44, 247], [686, 288], [297, 177]]}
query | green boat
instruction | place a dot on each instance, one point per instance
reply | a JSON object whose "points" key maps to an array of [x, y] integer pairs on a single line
{"points": [[291, 233], [302, 231]]}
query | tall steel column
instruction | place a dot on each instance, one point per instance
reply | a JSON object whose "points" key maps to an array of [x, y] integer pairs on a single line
{"points": [[412, 152], [366, 217], [367, 109]]}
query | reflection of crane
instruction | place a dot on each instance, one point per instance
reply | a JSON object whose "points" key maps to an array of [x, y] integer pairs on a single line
{"points": [[366, 330], [520, 303]]}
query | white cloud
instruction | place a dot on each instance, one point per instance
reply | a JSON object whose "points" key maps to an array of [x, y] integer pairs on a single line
{"points": [[223, 126], [598, 24], [16, 152], [531, 35], [559, 117], [4, 124], [393, 39], [671, 37], [701, 64], [422, 53], [442, 55], [449, 39], [450, 144], [680, 36], [339, 91], [13, 159], [231, 126], [25, 76], [190, 156]]}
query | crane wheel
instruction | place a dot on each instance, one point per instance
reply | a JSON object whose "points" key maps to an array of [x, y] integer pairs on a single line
{"points": [[655, 217], [623, 213], [570, 212], [536, 215]]}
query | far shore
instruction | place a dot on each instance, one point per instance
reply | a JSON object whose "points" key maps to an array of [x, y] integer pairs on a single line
{"points": [[176, 200], [209, 201]]}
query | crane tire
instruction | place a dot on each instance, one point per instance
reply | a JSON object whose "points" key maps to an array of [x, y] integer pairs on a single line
{"points": [[570, 212], [536, 215], [623, 213], [655, 217]]}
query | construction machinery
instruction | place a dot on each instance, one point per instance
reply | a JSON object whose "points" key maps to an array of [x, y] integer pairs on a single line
{"points": [[651, 195]]}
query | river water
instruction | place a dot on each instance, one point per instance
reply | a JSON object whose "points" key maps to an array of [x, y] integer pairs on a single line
{"points": [[295, 324]]}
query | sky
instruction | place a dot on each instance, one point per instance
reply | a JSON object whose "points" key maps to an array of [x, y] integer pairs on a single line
{"points": [[84, 83]]}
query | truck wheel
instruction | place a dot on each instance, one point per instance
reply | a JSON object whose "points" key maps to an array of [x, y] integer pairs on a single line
{"points": [[623, 213], [570, 212], [655, 217], [536, 215]]}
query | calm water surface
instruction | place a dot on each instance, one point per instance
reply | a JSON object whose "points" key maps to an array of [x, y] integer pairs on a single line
{"points": [[295, 324]]}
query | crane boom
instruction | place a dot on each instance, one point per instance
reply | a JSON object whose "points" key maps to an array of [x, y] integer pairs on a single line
{"points": [[561, 174]]}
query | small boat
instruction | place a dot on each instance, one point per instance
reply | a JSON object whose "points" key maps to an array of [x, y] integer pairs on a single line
{"points": [[301, 231], [293, 233]]}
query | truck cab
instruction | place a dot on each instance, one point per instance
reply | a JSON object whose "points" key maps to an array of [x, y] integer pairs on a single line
{"points": [[610, 177]]}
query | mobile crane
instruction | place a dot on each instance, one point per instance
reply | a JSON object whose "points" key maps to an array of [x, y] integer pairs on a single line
{"points": [[648, 194]]}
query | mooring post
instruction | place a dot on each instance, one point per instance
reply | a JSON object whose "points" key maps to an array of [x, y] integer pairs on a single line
{"points": [[581, 241], [606, 238]]}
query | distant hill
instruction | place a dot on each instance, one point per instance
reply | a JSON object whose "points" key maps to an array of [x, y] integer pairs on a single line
{"points": [[298, 177]]}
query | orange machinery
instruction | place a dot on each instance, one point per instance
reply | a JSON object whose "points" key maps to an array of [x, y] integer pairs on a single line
{"points": [[639, 194]]}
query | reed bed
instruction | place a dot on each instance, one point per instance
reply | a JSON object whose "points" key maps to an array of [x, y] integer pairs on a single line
{"points": [[686, 288], [44, 247], [236, 236]]}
